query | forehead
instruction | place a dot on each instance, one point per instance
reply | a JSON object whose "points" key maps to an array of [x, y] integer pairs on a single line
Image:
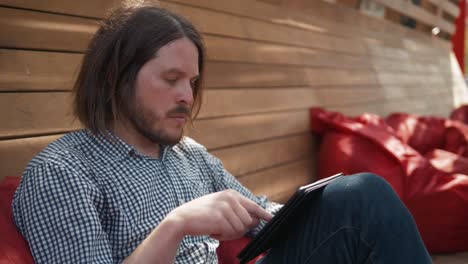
{"points": [[180, 54]]}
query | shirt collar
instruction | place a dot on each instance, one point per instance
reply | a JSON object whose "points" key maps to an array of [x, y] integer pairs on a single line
{"points": [[120, 149]]}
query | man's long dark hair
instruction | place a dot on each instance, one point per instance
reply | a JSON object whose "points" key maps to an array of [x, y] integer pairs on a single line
{"points": [[126, 40]]}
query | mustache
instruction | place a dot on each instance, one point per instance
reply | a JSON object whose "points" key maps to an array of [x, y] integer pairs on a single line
{"points": [[181, 109]]}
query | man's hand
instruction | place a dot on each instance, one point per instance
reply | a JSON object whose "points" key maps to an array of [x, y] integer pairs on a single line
{"points": [[223, 215]]}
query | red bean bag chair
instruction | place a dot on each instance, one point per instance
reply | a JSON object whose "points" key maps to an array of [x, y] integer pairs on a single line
{"points": [[427, 133], [228, 250], [448, 161], [13, 247], [460, 114], [437, 198]]}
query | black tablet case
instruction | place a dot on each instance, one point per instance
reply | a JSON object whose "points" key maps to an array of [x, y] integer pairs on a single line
{"points": [[280, 224]]}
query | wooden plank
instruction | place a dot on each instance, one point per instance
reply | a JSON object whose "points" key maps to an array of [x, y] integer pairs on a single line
{"points": [[236, 102], [222, 132], [34, 30], [25, 71], [258, 75], [453, 258], [240, 102], [410, 66], [433, 105], [249, 158], [16, 153], [282, 197], [254, 75], [35, 113], [85, 8], [392, 78], [400, 54], [282, 178]]}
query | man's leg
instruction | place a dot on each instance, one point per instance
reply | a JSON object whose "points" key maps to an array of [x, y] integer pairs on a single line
{"points": [[356, 219]]}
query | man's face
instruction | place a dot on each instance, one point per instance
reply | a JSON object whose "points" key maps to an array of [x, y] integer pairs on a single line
{"points": [[164, 93]]}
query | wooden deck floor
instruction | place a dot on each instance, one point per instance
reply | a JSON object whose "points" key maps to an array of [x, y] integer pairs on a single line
{"points": [[460, 258]]}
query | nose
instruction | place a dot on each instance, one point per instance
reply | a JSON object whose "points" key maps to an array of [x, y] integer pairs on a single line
{"points": [[185, 95]]}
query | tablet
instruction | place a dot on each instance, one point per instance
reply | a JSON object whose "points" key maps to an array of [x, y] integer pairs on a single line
{"points": [[278, 227]]}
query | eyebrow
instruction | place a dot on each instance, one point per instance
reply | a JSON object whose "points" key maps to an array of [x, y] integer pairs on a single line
{"points": [[178, 71]]}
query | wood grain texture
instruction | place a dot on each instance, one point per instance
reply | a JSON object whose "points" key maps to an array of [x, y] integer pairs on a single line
{"points": [[230, 131], [248, 158], [276, 180], [239, 160], [26, 114], [86, 8], [22, 70], [16, 153], [34, 30]]}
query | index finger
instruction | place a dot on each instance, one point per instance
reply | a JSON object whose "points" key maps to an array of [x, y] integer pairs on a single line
{"points": [[255, 209]]}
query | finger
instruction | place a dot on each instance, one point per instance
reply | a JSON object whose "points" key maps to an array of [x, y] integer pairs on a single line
{"points": [[243, 215], [227, 230], [234, 219], [255, 209]]}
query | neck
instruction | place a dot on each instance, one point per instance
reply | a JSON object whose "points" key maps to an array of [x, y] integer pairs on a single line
{"points": [[131, 136]]}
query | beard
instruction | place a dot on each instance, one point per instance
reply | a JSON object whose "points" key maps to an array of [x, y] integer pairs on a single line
{"points": [[144, 121]]}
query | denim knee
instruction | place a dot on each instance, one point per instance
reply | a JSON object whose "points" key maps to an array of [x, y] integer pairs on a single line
{"points": [[368, 182], [359, 191]]}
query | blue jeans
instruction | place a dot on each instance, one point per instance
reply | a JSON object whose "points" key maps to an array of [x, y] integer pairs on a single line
{"points": [[356, 219]]}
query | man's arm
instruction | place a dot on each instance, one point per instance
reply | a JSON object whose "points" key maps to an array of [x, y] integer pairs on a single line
{"points": [[54, 210], [223, 215], [160, 246]]}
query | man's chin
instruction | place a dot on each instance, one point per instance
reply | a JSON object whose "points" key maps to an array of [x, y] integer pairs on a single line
{"points": [[171, 140]]}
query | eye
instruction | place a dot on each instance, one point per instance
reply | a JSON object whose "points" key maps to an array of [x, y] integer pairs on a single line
{"points": [[171, 81]]}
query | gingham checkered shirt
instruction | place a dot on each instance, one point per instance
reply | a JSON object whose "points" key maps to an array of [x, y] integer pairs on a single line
{"points": [[92, 199]]}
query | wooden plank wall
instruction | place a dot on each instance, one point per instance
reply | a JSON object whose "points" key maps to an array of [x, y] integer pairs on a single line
{"points": [[267, 64]]}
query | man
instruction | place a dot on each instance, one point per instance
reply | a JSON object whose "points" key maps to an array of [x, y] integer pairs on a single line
{"points": [[130, 188]]}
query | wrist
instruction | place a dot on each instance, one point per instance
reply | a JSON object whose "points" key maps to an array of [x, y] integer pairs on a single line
{"points": [[161, 245], [175, 225]]}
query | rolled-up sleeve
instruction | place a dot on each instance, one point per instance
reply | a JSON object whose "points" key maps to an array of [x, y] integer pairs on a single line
{"points": [[55, 209]]}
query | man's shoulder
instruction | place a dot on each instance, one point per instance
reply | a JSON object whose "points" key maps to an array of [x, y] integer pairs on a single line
{"points": [[64, 150]]}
